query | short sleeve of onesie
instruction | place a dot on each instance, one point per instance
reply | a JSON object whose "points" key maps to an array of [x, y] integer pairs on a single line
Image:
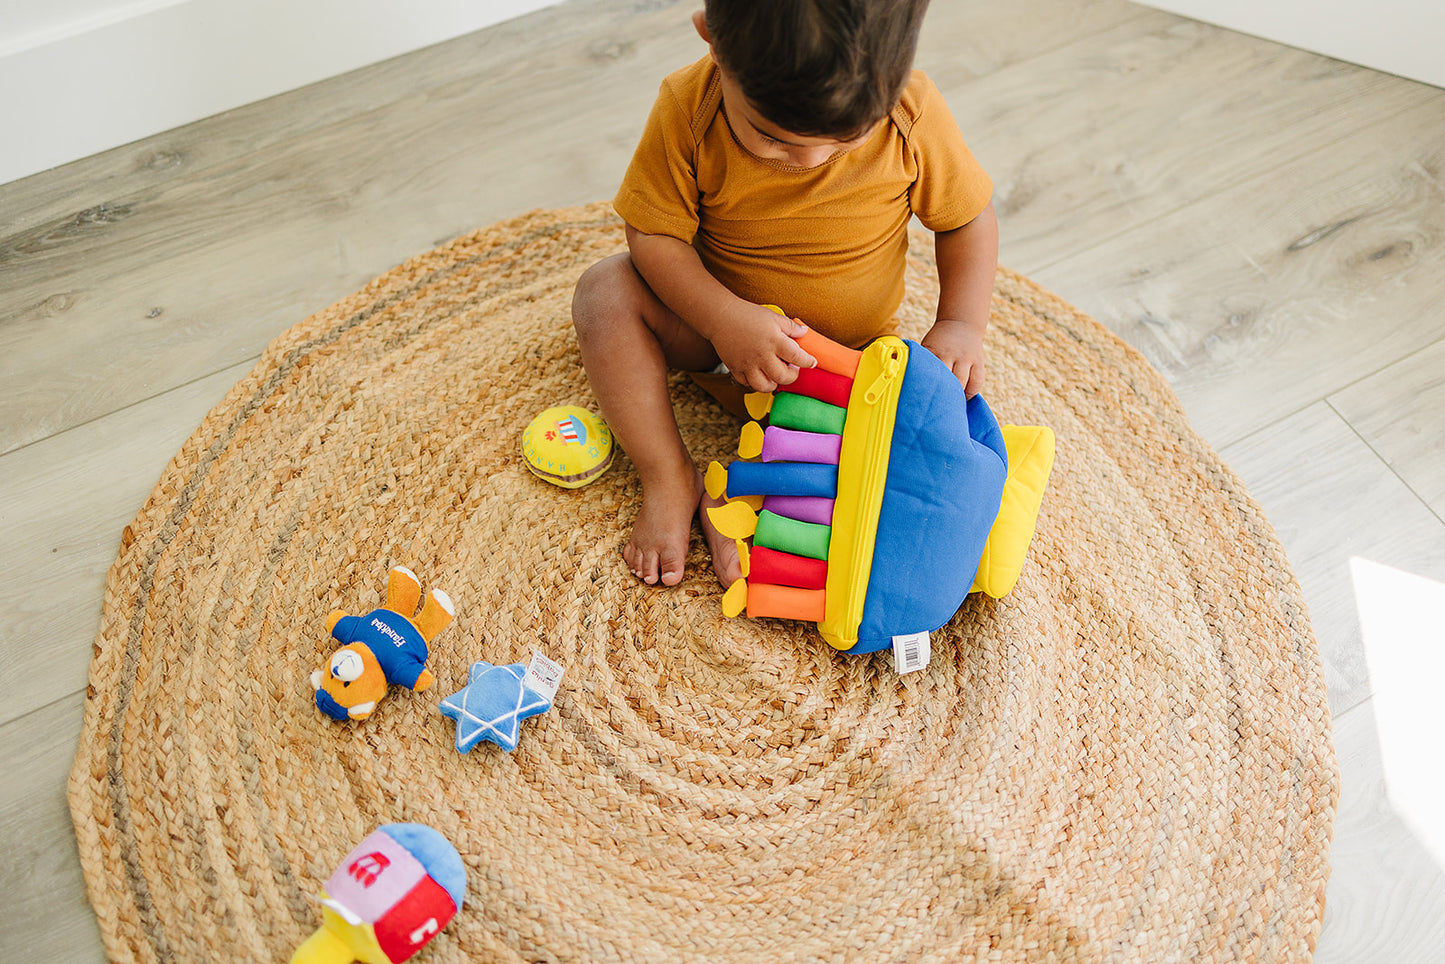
{"points": [[951, 188]]}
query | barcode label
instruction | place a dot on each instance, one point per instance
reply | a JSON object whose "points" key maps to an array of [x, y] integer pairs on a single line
{"points": [[911, 652], [543, 675]]}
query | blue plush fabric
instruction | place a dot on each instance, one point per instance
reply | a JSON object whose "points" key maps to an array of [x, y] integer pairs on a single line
{"points": [[946, 471], [328, 705], [493, 705], [782, 478], [435, 853], [392, 639]]}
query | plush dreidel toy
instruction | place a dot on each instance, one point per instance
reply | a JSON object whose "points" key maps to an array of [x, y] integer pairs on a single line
{"points": [[884, 495], [386, 646], [389, 896]]}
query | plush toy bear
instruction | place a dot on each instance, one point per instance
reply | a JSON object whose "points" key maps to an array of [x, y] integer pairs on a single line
{"points": [[383, 647]]}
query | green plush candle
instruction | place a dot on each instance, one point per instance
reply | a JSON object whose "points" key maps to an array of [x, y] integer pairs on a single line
{"points": [[789, 535], [791, 410]]}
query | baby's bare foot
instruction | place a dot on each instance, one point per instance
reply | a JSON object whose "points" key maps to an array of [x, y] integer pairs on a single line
{"points": [[656, 552], [725, 561]]}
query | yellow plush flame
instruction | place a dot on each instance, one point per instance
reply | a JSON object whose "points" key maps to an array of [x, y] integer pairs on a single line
{"points": [[736, 519], [750, 443], [715, 480], [735, 600], [758, 404]]}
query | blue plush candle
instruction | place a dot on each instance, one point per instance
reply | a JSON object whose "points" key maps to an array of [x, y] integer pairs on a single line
{"points": [[782, 478]]}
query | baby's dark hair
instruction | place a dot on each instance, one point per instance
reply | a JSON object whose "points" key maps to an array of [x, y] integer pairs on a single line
{"points": [[820, 68]]}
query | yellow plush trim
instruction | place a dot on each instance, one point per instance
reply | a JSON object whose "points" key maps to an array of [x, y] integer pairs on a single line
{"points": [[1030, 460], [337, 941], [862, 473], [323, 947]]}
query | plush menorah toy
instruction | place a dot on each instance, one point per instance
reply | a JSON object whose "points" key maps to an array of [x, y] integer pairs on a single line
{"points": [[882, 497]]}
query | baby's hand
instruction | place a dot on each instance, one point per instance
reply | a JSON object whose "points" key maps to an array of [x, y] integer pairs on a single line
{"points": [[959, 345], [758, 346]]}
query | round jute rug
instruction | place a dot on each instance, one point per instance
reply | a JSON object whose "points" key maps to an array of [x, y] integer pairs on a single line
{"points": [[1128, 759]]}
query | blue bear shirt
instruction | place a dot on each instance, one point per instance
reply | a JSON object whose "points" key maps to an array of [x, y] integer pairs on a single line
{"points": [[392, 639]]}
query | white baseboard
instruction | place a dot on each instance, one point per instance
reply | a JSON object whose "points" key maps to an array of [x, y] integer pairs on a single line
{"points": [[135, 69], [1403, 37]]}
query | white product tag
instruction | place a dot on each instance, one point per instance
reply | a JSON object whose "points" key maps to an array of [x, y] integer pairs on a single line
{"points": [[543, 675], [911, 652]]}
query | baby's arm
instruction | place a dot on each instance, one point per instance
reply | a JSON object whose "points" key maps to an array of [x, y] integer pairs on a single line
{"points": [[967, 261], [755, 343]]}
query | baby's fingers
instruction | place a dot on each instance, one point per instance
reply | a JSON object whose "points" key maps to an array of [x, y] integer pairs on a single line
{"points": [[969, 375], [755, 379], [795, 355], [778, 372], [974, 383]]}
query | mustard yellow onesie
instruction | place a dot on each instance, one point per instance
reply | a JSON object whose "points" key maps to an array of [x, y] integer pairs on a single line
{"points": [[828, 243]]}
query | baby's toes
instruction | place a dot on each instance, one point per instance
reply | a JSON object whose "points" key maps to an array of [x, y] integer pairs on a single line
{"points": [[640, 562], [671, 563], [726, 563]]}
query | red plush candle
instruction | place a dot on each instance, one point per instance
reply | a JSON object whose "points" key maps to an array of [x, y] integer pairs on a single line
{"points": [[786, 569], [823, 385]]}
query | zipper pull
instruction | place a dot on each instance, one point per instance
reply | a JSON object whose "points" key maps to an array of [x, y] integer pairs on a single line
{"points": [[891, 363]]}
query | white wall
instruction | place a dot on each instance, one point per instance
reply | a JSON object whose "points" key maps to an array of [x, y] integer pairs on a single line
{"points": [[27, 23], [1404, 37], [82, 76]]}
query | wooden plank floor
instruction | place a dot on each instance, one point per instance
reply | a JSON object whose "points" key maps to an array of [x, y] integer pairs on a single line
{"points": [[1266, 225]]}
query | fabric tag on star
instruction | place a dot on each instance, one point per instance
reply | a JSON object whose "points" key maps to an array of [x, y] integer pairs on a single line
{"points": [[493, 705]]}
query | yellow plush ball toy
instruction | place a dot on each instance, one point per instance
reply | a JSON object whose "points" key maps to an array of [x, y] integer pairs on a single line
{"points": [[568, 446]]}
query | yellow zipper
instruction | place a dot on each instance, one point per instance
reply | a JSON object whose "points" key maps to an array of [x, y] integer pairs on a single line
{"points": [[862, 475]]}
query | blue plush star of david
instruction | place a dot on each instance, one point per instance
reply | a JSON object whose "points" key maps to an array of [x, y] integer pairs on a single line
{"points": [[493, 705]]}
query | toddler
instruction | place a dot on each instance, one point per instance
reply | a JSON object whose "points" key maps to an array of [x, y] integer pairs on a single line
{"points": [[781, 168]]}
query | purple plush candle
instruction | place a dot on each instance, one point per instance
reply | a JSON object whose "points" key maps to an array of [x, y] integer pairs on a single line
{"points": [[804, 508], [791, 445]]}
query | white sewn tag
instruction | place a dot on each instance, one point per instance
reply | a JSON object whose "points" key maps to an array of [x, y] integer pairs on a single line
{"points": [[344, 912], [911, 652], [543, 675]]}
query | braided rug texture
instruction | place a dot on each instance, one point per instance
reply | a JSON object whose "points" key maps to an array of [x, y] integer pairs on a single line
{"points": [[1127, 759]]}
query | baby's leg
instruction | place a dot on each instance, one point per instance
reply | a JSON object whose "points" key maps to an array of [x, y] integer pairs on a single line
{"points": [[629, 341]]}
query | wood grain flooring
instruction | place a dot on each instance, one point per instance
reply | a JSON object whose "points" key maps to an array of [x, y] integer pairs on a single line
{"points": [[1266, 225]]}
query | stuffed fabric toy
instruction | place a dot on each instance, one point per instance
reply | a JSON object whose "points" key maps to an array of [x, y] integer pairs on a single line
{"points": [[390, 896], [493, 705], [386, 646], [884, 495]]}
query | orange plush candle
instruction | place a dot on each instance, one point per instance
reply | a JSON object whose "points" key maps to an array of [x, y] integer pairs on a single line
{"points": [[785, 602], [831, 356]]}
